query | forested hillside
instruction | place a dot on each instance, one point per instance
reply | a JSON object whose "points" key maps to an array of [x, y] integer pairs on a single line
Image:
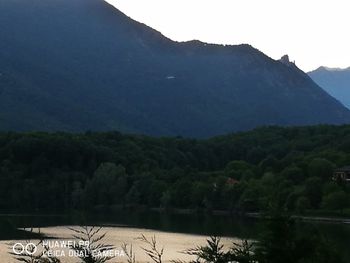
{"points": [[288, 168]]}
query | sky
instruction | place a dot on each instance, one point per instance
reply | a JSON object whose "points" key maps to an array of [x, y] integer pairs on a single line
{"points": [[312, 32]]}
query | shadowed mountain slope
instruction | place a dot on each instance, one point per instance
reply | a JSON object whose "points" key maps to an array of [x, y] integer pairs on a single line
{"points": [[79, 65]]}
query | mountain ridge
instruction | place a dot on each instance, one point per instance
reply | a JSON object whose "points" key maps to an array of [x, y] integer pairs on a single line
{"points": [[83, 65], [329, 69], [335, 81]]}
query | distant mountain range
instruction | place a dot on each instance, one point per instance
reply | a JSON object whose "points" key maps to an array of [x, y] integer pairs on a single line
{"points": [[335, 81], [77, 65]]}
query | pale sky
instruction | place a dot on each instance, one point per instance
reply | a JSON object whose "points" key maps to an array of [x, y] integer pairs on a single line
{"points": [[312, 32]]}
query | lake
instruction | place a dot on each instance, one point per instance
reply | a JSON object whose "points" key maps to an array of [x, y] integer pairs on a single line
{"points": [[175, 232]]}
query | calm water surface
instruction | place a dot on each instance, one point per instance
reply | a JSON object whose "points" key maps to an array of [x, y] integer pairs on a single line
{"points": [[175, 232]]}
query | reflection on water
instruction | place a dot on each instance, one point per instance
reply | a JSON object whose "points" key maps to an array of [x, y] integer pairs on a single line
{"points": [[173, 243], [194, 225]]}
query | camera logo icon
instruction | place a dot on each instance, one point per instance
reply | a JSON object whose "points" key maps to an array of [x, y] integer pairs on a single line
{"points": [[28, 249]]}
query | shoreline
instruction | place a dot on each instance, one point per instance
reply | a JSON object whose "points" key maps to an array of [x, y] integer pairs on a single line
{"points": [[255, 215], [189, 211]]}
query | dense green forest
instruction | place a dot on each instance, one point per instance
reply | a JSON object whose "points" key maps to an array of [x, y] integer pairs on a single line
{"points": [[271, 167]]}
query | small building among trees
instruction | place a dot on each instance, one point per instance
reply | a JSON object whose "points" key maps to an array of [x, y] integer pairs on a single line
{"points": [[342, 174]]}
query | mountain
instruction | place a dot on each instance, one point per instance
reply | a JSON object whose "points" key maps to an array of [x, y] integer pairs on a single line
{"points": [[335, 81], [78, 65]]}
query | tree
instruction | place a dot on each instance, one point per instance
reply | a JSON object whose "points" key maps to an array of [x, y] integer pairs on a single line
{"points": [[293, 173], [214, 252], [107, 186], [321, 168], [181, 193], [313, 191], [89, 246], [302, 204], [200, 191], [133, 197], [250, 199], [153, 251], [336, 201], [77, 195], [165, 200], [239, 169]]}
